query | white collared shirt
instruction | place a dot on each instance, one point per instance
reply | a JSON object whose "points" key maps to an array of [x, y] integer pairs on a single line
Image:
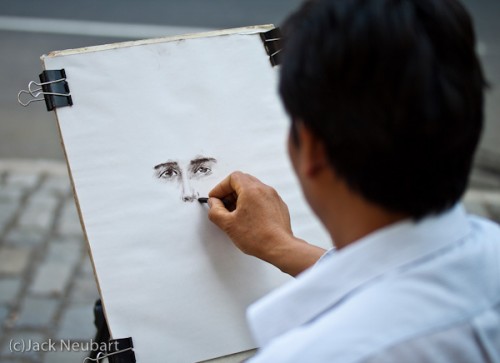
{"points": [[410, 292]]}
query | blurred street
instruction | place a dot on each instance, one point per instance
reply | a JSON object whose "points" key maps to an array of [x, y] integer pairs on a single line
{"points": [[30, 28], [47, 287], [31, 132]]}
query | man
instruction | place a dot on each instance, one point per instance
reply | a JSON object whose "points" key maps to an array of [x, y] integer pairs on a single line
{"points": [[385, 99]]}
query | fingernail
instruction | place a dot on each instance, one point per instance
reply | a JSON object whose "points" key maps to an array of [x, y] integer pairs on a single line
{"points": [[209, 202]]}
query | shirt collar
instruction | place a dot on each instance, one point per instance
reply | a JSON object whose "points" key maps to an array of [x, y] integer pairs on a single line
{"points": [[376, 254]]}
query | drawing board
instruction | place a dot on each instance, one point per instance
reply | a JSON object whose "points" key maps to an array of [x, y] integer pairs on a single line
{"points": [[154, 125]]}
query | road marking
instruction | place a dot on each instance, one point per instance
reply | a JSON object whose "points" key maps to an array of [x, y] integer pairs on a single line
{"points": [[92, 28], [113, 30]]}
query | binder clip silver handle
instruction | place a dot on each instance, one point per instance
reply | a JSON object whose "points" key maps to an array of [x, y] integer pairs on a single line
{"points": [[53, 88], [35, 93], [101, 355]]}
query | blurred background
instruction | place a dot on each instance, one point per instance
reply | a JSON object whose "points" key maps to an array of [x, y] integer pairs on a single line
{"points": [[30, 28], [47, 288]]}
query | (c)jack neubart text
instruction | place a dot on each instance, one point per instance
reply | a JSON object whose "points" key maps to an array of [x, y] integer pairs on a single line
{"points": [[64, 345]]}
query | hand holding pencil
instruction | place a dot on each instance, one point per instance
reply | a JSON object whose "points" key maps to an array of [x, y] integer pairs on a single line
{"points": [[257, 220]]}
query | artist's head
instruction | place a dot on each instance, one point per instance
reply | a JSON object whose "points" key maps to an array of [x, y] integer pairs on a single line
{"points": [[185, 174], [393, 90]]}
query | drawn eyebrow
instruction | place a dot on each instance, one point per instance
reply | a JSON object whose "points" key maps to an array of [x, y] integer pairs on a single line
{"points": [[201, 160], [168, 164]]}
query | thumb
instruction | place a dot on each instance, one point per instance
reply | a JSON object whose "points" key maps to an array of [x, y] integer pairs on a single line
{"points": [[218, 213]]}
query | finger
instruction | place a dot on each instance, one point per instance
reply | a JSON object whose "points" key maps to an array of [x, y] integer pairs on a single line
{"points": [[252, 178], [218, 213], [231, 184], [222, 189]]}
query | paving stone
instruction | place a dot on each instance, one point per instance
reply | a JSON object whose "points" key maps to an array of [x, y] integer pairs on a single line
{"points": [[87, 269], [69, 222], [476, 207], [24, 180], [494, 210], [24, 237], [77, 323], [4, 312], [10, 194], [64, 252], [37, 312], [51, 280], [39, 212], [55, 272], [43, 198], [65, 357], [56, 184], [84, 291], [484, 180], [77, 241], [13, 260], [36, 218], [9, 289], [7, 212], [13, 360], [14, 342]]}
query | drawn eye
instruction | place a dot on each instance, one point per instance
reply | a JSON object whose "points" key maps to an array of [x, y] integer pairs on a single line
{"points": [[202, 170], [169, 173]]}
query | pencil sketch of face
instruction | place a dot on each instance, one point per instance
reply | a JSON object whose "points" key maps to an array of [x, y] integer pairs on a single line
{"points": [[184, 174]]}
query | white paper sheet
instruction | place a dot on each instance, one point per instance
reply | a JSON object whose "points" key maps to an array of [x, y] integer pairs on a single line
{"points": [[169, 278]]}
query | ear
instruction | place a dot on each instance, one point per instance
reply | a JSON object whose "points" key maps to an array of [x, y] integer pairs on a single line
{"points": [[312, 153]]}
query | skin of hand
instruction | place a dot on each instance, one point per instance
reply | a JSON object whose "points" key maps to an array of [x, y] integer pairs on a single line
{"points": [[258, 222]]}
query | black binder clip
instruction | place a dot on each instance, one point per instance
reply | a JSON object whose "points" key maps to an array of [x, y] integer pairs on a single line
{"points": [[52, 87], [118, 351], [273, 43], [121, 351]]}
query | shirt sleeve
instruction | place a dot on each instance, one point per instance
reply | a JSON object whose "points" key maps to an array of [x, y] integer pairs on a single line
{"points": [[325, 256]]}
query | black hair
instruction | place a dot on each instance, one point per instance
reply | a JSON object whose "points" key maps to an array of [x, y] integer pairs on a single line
{"points": [[394, 90]]}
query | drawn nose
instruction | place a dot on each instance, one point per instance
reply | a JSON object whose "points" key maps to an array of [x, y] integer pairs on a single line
{"points": [[189, 198], [188, 194]]}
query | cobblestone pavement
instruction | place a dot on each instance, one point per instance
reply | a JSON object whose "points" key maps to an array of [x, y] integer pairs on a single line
{"points": [[47, 287]]}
